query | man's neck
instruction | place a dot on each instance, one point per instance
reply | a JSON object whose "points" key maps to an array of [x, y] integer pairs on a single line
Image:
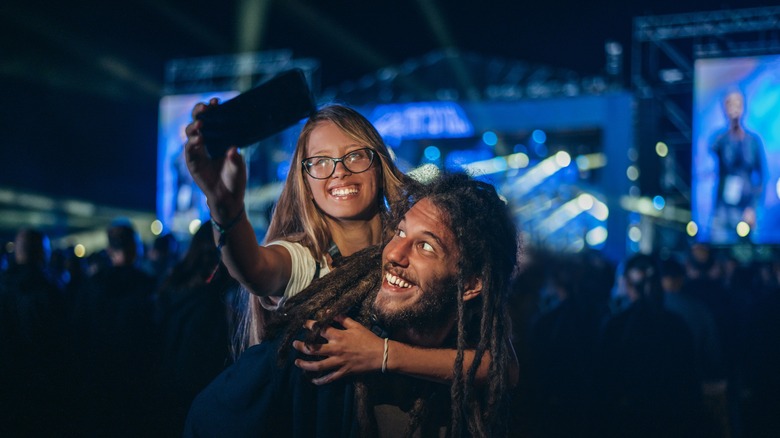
{"points": [[735, 129]]}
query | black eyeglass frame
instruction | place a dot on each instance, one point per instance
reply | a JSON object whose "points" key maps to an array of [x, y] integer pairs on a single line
{"points": [[371, 153]]}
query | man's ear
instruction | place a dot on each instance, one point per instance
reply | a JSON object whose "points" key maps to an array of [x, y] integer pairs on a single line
{"points": [[473, 288]]}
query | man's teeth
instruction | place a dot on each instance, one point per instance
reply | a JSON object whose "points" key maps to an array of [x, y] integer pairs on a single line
{"points": [[396, 281], [344, 191]]}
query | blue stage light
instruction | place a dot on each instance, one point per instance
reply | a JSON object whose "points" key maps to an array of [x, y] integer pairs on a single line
{"points": [[659, 203], [490, 138], [432, 153], [282, 169], [539, 136], [540, 149]]}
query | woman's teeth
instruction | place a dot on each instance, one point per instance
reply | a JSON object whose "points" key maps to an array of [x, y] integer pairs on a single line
{"points": [[344, 191], [396, 281]]}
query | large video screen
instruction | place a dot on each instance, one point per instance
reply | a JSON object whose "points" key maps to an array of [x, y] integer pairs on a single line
{"points": [[736, 150]]}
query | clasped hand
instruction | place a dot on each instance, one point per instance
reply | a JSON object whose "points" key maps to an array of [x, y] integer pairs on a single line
{"points": [[351, 350]]}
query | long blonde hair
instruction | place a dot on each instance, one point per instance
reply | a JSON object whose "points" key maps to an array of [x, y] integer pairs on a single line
{"points": [[296, 218]]}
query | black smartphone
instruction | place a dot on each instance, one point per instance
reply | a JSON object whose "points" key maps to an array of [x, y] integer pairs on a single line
{"points": [[256, 114]]}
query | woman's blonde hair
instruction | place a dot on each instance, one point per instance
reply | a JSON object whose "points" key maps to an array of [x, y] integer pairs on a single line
{"points": [[296, 218]]}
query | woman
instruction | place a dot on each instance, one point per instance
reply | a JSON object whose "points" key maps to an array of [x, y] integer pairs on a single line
{"points": [[341, 179], [322, 203]]}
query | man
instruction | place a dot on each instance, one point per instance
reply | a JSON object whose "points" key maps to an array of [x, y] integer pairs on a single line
{"points": [[115, 335], [31, 324], [739, 154], [442, 281], [645, 377], [698, 318]]}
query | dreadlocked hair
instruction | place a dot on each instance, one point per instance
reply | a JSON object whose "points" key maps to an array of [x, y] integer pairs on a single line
{"points": [[488, 244], [348, 292]]}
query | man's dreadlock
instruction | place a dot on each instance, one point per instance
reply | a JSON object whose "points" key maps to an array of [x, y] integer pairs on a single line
{"points": [[349, 292], [487, 242]]}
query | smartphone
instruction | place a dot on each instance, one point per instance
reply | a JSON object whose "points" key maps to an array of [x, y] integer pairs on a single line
{"points": [[254, 115]]}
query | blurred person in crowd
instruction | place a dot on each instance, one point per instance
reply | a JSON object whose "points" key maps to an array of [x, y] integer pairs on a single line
{"points": [[115, 337], [759, 398], [645, 384], [698, 318], [562, 344], [194, 310], [707, 345], [723, 284], [441, 281], [741, 163], [31, 326], [161, 256], [96, 262]]}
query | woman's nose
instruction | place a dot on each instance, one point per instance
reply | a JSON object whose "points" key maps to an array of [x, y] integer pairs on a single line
{"points": [[343, 167]]}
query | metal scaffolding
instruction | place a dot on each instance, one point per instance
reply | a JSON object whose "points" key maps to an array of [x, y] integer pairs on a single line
{"points": [[233, 72], [664, 49]]}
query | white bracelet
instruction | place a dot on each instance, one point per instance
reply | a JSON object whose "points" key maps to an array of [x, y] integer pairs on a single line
{"points": [[384, 357]]}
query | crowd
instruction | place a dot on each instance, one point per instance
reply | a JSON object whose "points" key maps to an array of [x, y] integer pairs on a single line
{"points": [[116, 344], [120, 343], [681, 345]]}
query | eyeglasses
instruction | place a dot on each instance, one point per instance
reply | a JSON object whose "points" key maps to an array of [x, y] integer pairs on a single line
{"points": [[322, 167]]}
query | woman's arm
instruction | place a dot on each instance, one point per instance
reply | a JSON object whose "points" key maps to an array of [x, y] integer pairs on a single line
{"points": [[262, 270], [356, 349]]}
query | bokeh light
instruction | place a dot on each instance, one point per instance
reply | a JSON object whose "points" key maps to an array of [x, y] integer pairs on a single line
{"points": [[194, 226], [157, 227]]}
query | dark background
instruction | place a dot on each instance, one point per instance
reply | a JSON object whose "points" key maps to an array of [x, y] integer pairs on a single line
{"points": [[81, 81]]}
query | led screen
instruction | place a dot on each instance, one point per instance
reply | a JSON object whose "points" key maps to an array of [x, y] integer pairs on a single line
{"points": [[736, 150]]}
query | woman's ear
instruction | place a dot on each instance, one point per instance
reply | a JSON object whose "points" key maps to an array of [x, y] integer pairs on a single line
{"points": [[473, 288]]}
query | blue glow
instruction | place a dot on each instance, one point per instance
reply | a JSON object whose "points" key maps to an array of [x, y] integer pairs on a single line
{"points": [[456, 159], [179, 199], [659, 203], [520, 148], [540, 149], [539, 136], [422, 120], [282, 170], [432, 153], [490, 138]]}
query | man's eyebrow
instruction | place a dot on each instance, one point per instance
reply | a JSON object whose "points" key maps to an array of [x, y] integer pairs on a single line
{"points": [[436, 238]]}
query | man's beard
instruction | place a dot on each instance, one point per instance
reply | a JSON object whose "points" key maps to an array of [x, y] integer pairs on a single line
{"points": [[435, 309]]}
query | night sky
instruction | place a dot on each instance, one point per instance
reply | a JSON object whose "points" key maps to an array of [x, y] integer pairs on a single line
{"points": [[81, 81]]}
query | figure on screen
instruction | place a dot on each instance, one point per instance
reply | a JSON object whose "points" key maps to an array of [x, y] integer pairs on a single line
{"points": [[739, 154]]}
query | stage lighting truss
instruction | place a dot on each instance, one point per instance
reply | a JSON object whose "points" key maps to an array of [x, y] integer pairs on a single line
{"points": [[664, 49]]}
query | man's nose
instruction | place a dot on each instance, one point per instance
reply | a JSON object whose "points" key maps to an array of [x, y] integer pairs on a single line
{"points": [[398, 252]]}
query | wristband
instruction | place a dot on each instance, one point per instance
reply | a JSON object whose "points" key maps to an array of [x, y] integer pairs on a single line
{"points": [[224, 229], [384, 357]]}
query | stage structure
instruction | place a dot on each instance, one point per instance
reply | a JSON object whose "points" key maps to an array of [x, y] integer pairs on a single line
{"points": [[554, 143], [666, 51], [180, 204], [557, 145]]}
